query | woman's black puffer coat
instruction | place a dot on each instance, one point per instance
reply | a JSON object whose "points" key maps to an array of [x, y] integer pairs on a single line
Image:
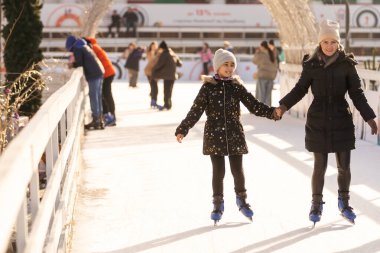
{"points": [[223, 132], [329, 125]]}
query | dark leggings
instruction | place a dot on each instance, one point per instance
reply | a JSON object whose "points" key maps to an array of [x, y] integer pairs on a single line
{"points": [[218, 172], [107, 99], [320, 166], [205, 68], [168, 90], [153, 88]]}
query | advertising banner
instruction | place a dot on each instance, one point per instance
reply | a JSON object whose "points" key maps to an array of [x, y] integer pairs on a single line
{"points": [[206, 15]]}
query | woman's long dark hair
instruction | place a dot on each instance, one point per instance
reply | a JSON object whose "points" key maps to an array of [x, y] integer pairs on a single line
{"points": [[265, 45]]}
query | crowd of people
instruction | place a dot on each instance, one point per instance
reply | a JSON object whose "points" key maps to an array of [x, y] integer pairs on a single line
{"points": [[162, 63], [329, 72], [99, 74]]}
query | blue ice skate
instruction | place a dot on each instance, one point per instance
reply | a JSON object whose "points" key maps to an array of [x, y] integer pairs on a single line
{"points": [[153, 104], [244, 207], [316, 211], [109, 120], [344, 208], [217, 212]]}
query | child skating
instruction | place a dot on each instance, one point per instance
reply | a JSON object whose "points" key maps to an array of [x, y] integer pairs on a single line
{"points": [[220, 97]]}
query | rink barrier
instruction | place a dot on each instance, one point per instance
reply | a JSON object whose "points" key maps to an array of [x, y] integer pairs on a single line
{"points": [[191, 69], [289, 75], [32, 220]]}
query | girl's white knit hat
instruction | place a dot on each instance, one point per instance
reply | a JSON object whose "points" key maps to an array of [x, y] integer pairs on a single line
{"points": [[328, 29], [221, 56]]}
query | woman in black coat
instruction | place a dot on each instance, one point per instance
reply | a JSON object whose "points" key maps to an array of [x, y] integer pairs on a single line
{"points": [[330, 73], [165, 68]]}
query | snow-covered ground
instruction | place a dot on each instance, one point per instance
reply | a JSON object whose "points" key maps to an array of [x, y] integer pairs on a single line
{"points": [[142, 191]]}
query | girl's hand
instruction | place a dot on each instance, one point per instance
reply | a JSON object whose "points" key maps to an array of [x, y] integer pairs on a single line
{"points": [[179, 137]]}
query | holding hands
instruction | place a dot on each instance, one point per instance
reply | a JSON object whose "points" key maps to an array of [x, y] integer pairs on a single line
{"points": [[279, 111]]}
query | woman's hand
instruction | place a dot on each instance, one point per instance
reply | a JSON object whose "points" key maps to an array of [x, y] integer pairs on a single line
{"points": [[179, 137], [275, 115], [372, 124], [279, 111]]}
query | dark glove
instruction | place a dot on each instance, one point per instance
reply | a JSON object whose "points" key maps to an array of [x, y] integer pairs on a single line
{"points": [[372, 124]]}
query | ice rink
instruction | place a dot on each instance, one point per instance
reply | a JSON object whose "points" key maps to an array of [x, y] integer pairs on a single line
{"points": [[142, 191]]}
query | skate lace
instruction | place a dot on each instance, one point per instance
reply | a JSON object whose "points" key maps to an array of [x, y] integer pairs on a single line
{"points": [[348, 208], [244, 205], [217, 209], [317, 208]]}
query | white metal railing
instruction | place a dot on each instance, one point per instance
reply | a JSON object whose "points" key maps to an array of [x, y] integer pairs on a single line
{"points": [[37, 223], [290, 74]]}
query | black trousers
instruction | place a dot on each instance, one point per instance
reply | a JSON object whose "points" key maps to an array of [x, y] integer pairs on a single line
{"points": [[168, 90], [107, 98], [153, 88], [205, 68], [320, 165], [218, 172], [114, 25], [132, 25]]}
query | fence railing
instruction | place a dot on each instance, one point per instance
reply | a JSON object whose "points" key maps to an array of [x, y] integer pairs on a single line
{"points": [[32, 221], [290, 74]]}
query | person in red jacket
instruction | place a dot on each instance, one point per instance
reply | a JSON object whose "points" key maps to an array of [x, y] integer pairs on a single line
{"points": [[109, 74]]}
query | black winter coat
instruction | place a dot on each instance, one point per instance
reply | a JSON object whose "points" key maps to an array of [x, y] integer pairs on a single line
{"points": [[223, 131], [329, 125], [165, 68]]}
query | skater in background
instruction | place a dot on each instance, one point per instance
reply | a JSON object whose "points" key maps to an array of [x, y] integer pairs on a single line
{"points": [[152, 57], [133, 63], [206, 57], [275, 51], [109, 74], [166, 68], [330, 73], [93, 71], [115, 22], [227, 46], [220, 97], [130, 20], [267, 67]]}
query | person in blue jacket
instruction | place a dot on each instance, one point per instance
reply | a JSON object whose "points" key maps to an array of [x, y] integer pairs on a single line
{"points": [[93, 71]]}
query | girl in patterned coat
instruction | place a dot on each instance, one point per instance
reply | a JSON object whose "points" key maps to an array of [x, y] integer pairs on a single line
{"points": [[220, 97]]}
